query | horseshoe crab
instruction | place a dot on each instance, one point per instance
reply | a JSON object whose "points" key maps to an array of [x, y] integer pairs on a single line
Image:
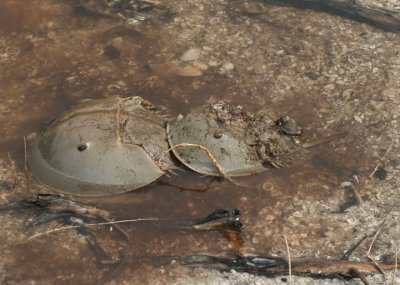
{"points": [[241, 143], [102, 147]]}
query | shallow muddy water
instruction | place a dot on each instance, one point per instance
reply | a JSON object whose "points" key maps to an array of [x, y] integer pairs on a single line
{"points": [[329, 73]]}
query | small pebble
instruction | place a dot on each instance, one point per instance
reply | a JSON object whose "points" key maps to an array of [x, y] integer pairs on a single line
{"points": [[346, 184], [226, 67], [190, 54], [358, 119], [243, 199]]}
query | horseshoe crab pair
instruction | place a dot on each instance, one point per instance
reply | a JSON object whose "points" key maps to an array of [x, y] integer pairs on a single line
{"points": [[114, 145]]}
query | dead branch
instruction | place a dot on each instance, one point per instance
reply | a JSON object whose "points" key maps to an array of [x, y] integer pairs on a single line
{"points": [[274, 266], [337, 267]]}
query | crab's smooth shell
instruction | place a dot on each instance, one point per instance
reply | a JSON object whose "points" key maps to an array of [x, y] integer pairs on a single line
{"points": [[81, 153], [231, 152]]}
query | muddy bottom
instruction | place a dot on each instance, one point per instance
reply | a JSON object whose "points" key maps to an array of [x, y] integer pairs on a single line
{"points": [[54, 54]]}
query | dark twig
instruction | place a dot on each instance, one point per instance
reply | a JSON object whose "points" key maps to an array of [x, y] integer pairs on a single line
{"points": [[350, 251], [360, 275]]}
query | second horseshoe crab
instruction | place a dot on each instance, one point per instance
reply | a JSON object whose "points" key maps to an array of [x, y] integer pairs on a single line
{"points": [[102, 147], [241, 143]]}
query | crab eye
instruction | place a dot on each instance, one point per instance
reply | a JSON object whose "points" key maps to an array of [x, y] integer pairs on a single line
{"points": [[82, 147], [218, 135]]}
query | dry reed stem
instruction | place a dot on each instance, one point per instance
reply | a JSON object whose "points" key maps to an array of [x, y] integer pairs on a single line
{"points": [[14, 169], [289, 260], [209, 154], [89, 225]]}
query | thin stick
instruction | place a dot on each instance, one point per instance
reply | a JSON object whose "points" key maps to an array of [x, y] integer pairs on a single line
{"points": [[380, 161], [90, 225], [14, 169], [370, 248], [395, 267], [209, 154], [347, 254], [375, 236], [25, 163], [289, 260]]}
